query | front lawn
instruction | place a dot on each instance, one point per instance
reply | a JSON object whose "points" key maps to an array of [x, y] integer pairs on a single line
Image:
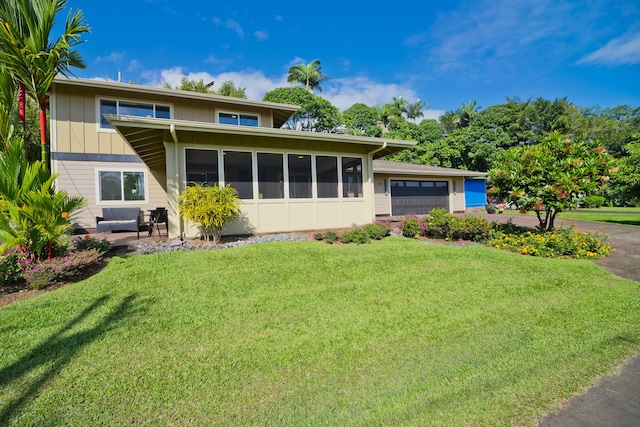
{"points": [[623, 216], [400, 332]]}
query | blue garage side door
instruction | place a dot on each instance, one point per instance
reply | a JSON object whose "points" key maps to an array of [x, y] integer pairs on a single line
{"points": [[475, 193]]}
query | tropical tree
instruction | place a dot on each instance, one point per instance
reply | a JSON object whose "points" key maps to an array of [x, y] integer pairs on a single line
{"points": [[227, 88], [467, 113], [316, 114], [416, 109], [552, 176], [361, 119], [31, 57], [7, 101], [33, 215], [309, 75]]}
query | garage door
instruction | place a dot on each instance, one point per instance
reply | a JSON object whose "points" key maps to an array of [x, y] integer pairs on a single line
{"points": [[418, 197]]}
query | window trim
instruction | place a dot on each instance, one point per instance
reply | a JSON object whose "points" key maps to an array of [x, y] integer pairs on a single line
{"points": [[118, 100], [145, 176], [239, 113]]}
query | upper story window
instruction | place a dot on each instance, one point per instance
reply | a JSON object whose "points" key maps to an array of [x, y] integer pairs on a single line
{"points": [[238, 119], [131, 108]]}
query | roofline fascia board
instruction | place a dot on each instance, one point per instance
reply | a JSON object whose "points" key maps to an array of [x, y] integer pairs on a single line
{"points": [[430, 173], [151, 90], [181, 125]]}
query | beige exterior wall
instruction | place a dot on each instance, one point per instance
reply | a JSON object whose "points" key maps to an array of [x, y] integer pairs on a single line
{"points": [[383, 201]]}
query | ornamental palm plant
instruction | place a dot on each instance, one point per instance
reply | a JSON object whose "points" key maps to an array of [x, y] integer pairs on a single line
{"points": [[310, 75], [29, 55]]}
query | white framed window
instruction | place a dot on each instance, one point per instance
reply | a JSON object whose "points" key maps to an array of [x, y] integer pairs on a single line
{"points": [[121, 186], [130, 108], [238, 119]]}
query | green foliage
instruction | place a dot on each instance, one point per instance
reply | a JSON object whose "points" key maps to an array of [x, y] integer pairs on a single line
{"points": [[331, 237], [360, 119], [550, 177], [318, 236], [411, 227], [376, 231], [33, 215], [12, 264], [593, 201], [210, 207], [228, 88], [48, 272], [316, 114], [355, 235], [558, 243], [443, 225], [625, 188]]}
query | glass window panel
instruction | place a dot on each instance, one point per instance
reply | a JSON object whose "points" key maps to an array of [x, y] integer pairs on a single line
{"points": [[238, 172], [133, 185], [107, 106], [163, 112], [413, 183], [270, 176], [351, 177], [299, 176], [135, 109], [227, 119], [327, 176], [248, 120], [110, 186], [202, 167]]}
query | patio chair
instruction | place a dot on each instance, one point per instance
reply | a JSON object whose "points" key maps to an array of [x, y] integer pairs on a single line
{"points": [[157, 217]]}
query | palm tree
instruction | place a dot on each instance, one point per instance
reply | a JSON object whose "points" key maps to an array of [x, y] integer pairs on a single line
{"points": [[309, 75], [31, 57], [7, 101], [400, 103], [468, 112], [415, 109]]}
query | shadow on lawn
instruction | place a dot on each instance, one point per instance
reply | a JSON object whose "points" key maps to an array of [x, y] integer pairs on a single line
{"points": [[623, 222], [56, 352]]}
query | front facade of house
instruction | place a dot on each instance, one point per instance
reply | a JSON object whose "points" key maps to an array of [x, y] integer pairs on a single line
{"points": [[122, 145]]}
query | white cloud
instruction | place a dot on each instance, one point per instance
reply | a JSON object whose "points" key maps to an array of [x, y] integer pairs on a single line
{"points": [[115, 57], [233, 25], [624, 50], [261, 35], [345, 92]]}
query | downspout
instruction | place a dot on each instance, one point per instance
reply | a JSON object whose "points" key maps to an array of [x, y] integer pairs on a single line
{"points": [[174, 136], [172, 131], [372, 189]]}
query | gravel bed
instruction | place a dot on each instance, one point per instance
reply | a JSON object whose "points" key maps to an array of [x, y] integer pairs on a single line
{"points": [[182, 245]]}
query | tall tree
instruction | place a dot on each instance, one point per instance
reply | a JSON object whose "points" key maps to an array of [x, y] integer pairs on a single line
{"points": [[416, 109], [361, 120], [309, 75], [33, 58]]}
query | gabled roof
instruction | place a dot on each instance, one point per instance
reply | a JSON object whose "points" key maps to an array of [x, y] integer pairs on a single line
{"points": [[281, 112], [385, 166], [148, 135]]}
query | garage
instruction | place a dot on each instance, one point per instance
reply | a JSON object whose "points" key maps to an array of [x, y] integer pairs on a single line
{"points": [[410, 197]]}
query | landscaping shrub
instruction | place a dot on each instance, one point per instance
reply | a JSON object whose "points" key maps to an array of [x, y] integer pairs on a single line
{"points": [[559, 243], [44, 273], [475, 228], [411, 227], [376, 231], [87, 242], [593, 202], [318, 236], [12, 264], [355, 235], [443, 225], [331, 237]]}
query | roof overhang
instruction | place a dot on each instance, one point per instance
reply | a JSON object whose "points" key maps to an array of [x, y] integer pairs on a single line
{"points": [[147, 136], [398, 168]]}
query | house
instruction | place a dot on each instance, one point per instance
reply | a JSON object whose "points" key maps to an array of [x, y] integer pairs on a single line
{"points": [[122, 145]]}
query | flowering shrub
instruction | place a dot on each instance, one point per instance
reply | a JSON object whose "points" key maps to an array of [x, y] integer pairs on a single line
{"points": [[475, 228], [54, 270], [559, 243], [443, 225], [12, 263], [411, 227]]}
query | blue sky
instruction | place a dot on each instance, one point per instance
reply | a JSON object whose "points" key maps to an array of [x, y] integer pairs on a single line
{"points": [[445, 53]]}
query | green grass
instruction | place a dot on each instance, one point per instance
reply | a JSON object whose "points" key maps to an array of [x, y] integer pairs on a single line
{"points": [[399, 332], [626, 216]]}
